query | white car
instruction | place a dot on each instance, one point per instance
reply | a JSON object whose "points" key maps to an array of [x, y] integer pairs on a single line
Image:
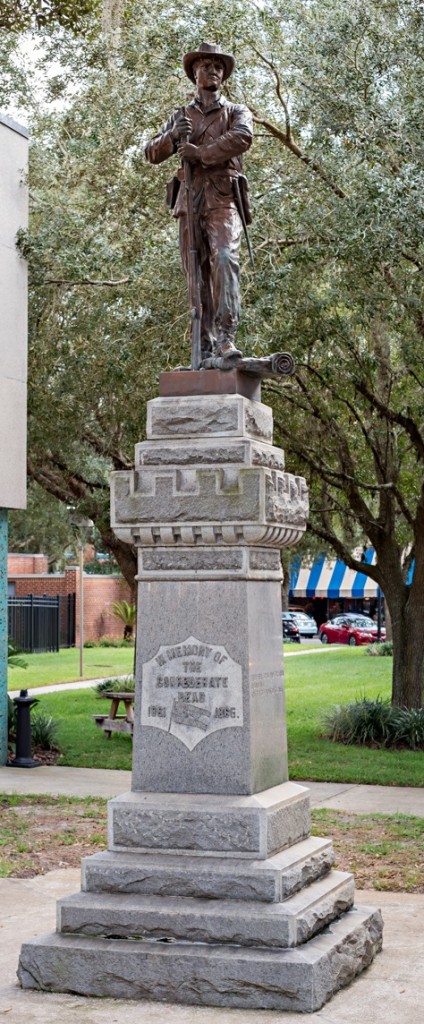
{"points": [[306, 624]]}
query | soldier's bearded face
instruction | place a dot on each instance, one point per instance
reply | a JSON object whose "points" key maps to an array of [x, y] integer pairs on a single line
{"points": [[208, 74]]}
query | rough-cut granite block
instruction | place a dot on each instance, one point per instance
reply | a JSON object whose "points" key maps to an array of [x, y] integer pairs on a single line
{"points": [[206, 824], [238, 922], [270, 880], [199, 416], [208, 451], [300, 979]]}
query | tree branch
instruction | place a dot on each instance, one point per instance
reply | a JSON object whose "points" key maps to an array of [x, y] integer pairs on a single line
{"points": [[288, 141], [272, 67], [87, 281], [391, 416]]}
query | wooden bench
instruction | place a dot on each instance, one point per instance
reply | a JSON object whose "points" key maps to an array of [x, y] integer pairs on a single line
{"points": [[113, 722]]}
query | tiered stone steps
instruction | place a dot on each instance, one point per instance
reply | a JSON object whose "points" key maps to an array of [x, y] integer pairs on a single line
{"points": [[275, 930]]}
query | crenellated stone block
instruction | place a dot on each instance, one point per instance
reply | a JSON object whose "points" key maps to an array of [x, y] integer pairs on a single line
{"points": [[209, 476]]}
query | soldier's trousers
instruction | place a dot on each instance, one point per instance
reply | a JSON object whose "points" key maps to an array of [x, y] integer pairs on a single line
{"points": [[218, 237]]}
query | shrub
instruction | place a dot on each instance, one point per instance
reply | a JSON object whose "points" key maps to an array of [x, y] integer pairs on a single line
{"points": [[11, 718], [125, 685], [43, 730], [376, 723], [382, 650], [14, 660], [408, 728], [127, 613], [108, 641]]}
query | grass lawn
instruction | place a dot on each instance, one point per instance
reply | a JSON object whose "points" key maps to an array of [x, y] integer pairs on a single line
{"points": [[82, 743], [314, 682], [318, 682], [63, 666]]}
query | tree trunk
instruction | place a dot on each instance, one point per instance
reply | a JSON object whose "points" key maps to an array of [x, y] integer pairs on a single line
{"points": [[285, 586], [125, 555], [408, 648], [388, 621]]}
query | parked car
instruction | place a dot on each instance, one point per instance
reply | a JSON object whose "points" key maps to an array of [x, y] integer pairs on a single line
{"points": [[352, 615], [290, 628], [349, 629], [307, 625]]}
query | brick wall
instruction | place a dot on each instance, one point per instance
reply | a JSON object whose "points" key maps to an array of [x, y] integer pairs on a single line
{"points": [[21, 564], [99, 594], [50, 584]]}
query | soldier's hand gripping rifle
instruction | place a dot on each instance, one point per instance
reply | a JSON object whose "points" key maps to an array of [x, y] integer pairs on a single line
{"points": [[193, 270]]}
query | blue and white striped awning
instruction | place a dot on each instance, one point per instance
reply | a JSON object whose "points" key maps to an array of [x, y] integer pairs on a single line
{"points": [[332, 579]]}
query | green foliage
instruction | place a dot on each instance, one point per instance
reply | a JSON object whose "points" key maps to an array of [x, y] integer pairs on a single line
{"points": [[108, 642], [21, 15], [408, 728], [14, 659], [381, 650], [44, 527], [44, 729], [337, 179], [11, 718], [119, 685], [376, 722], [363, 721], [312, 684], [127, 613], [101, 567]]}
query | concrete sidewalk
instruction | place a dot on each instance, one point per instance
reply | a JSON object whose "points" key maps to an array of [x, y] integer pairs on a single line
{"points": [[341, 796], [391, 991]]}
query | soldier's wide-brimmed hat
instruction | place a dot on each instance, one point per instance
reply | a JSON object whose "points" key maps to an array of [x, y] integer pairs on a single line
{"points": [[208, 50]]}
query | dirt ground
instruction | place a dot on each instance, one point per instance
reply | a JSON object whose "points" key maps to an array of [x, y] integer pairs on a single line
{"points": [[39, 834], [384, 852]]}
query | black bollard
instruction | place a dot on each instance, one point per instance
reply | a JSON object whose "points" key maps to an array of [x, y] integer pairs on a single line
{"points": [[23, 758]]}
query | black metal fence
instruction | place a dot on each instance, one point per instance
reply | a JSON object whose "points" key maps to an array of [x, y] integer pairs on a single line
{"points": [[39, 624]]}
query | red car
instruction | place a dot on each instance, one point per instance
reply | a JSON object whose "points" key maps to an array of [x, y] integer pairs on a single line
{"points": [[350, 630]]}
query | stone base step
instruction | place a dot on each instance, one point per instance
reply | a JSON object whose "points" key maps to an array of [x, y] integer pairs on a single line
{"points": [[269, 880], [245, 827], [301, 979], [130, 916]]}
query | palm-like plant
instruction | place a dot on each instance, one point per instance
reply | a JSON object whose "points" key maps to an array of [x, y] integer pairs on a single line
{"points": [[126, 612], [14, 659]]}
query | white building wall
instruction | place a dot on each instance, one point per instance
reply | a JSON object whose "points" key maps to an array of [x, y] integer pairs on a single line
{"points": [[13, 314]]}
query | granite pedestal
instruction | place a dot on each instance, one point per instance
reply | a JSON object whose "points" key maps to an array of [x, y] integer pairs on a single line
{"points": [[212, 890]]}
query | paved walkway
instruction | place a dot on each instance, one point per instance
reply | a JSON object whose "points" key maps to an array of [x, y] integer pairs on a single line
{"points": [[391, 991], [342, 796], [79, 684]]}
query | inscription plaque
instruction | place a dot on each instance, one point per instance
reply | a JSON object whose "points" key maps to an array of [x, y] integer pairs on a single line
{"points": [[191, 690]]}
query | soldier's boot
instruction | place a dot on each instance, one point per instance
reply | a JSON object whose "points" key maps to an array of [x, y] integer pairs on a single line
{"points": [[226, 349]]}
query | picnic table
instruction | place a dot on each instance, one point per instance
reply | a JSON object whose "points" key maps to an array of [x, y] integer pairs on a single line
{"points": [[112, 722]]}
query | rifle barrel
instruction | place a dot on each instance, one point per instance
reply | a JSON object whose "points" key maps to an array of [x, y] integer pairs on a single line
{"points": [[193, 272]]}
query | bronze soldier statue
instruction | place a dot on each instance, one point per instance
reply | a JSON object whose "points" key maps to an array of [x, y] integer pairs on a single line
{"points": [[210, 135]]}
